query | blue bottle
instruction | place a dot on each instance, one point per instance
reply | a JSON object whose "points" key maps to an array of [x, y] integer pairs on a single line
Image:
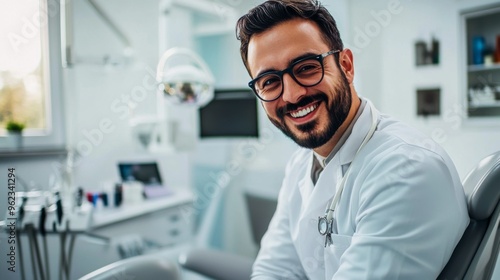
{"points": [[478, 46]]}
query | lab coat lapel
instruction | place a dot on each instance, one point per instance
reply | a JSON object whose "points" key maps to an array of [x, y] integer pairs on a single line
{"points": [[308, 241], [315, 197], [306, 185], [359, 131]]}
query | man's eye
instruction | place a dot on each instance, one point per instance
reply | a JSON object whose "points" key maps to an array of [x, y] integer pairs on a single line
{"points": [[307, 68], [269, 82]]}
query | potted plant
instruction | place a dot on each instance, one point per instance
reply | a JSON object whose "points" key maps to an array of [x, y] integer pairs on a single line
{"points": [[15, 130]]}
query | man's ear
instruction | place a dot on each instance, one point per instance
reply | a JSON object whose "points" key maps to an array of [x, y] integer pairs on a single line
{"points": [[346, 60]]}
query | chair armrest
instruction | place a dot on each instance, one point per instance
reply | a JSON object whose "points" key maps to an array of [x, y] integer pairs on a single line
{"points": [[217, 264]]}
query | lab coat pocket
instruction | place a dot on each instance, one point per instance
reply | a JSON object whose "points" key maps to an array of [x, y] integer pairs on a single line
{"points": [[334, 252]]}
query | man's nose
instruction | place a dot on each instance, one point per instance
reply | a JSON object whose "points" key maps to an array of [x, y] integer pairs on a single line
{"points": [[292, 91]]}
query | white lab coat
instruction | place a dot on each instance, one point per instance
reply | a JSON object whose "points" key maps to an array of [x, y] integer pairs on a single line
{"points": [[400, 216]]}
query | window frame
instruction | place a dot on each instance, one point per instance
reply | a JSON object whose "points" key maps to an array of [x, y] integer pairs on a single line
{"points": [[53, 136]]}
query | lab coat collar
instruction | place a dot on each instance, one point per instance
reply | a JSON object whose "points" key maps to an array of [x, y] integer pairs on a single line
{"points": [[360, 129], [347, 133]]}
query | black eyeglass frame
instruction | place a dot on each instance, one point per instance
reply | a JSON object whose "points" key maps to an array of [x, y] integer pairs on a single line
{"points": [[288, 70]]}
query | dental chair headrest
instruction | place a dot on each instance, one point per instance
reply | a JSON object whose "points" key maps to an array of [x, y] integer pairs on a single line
{"points": [[482, 186]]}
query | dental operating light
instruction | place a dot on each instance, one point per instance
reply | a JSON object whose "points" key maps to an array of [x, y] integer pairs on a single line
{"points": [[185, 83], [179, 84]]}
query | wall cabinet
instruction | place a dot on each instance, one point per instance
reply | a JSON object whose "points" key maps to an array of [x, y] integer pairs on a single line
{"points": [[481, 38]]}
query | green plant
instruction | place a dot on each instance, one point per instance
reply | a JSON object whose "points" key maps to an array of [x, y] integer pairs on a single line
{"points": [[13, 126]]}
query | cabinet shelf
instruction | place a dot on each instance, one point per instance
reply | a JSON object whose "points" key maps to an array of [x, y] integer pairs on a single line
{"points": [[489, 104], [482, 67]]}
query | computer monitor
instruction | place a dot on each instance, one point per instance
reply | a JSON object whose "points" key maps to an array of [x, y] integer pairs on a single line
{"points": [[148, 174], [144, 172], [232, 113]]}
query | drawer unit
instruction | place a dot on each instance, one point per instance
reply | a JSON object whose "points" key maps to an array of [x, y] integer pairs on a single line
{"points": [[164, 227]]}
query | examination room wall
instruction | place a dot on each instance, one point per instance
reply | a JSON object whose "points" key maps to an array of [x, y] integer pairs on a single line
{"points": [[386, 72]]}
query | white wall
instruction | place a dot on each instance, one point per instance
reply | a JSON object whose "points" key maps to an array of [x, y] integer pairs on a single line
{"points": [[386, 71]]}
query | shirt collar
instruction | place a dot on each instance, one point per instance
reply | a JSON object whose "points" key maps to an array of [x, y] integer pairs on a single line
{"points": [[320, 159]]}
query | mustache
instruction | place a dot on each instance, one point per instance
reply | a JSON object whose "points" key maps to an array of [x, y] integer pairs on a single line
{"points": [[283, 110]]}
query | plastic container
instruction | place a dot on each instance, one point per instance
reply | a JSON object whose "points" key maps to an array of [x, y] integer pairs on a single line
{"points": [[478, 47]]}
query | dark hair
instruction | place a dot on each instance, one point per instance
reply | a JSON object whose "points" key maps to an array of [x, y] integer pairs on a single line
{"points": [[273, 12]]}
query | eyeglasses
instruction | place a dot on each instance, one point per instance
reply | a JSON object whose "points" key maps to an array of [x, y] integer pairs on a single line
{"points": [[307, 72]]}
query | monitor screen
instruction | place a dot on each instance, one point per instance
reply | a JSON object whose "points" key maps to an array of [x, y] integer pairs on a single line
{"points": [[146, 173], [232, 113]]}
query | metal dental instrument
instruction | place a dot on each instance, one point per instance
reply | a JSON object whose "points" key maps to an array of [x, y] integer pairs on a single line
{"points": [[43, 218], [21, 265], [20, 217], [35, 252]]}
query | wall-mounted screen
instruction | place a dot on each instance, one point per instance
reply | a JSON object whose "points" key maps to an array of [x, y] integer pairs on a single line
{"points": [[232, 113]]}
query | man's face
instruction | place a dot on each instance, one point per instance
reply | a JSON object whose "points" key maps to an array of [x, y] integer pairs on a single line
{"points": [[308, 115]]}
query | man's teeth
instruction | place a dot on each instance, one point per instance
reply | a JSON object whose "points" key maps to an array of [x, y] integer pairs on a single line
{"points": [[304, 112]]}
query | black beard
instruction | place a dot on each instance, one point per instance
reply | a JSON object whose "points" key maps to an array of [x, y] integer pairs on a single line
{"points": [[338, 110]]}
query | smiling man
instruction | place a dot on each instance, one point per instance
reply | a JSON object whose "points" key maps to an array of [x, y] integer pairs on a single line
{"points": [[365, 196]]}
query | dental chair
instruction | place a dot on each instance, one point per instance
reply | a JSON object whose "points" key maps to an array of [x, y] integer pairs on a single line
{"points": [[475, 256]]}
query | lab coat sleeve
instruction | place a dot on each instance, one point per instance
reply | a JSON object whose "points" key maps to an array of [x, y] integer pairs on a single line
{"points": [[277, 258], [409, 218]]}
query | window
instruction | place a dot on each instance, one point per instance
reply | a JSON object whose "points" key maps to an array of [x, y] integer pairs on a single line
{"points": [[30, 70]]}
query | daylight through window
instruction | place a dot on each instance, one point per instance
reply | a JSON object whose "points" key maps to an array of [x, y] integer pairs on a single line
{"points": [[24, 79]]}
